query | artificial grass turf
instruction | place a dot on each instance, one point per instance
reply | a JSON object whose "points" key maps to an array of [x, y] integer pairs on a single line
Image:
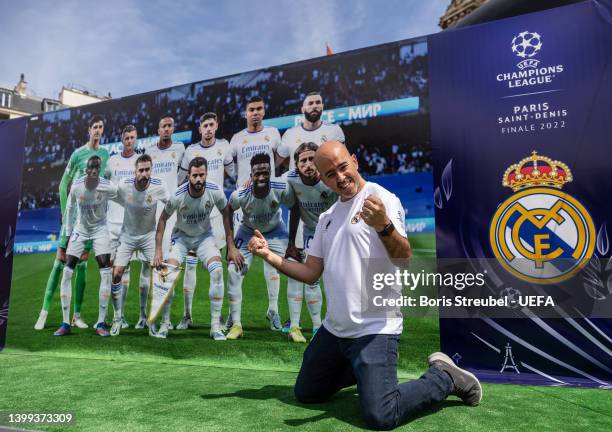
{"points": [[148, 395], [189, 382]]}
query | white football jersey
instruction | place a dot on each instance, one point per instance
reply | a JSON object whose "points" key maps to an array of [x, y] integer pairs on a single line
{"points": [[247, 144], [166, 163], [263, 214], [119, 168], [193, 214], [313, 200], [293, 137], [218, 156], [141, 206], [90, 206]]}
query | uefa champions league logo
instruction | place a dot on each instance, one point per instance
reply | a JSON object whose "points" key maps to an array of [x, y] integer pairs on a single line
{"points": [[526, 45]]}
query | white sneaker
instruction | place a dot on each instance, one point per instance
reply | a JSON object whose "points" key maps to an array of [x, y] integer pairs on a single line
{"points": [[78, 322], [124, 323], [185, 324], [141, 324], [217, 334], [163, 330], [42, 319], [162, 333], [168, 325], [116, 328]]}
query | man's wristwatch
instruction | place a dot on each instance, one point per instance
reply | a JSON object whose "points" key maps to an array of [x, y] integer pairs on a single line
{"points": [[387, 230]]}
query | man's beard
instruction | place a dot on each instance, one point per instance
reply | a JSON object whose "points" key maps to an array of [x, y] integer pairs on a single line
{"points": [[313, 116]]}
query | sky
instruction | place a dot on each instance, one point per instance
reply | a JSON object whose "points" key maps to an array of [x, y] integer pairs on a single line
{"points": [[133, 46]]}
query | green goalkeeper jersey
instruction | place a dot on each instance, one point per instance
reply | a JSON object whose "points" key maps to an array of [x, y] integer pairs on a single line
{"points": [[76, 168]]}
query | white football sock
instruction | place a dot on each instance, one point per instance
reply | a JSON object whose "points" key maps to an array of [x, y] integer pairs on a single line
{"points": [[215, 293], [143, 287], [189, 284], [234, 292], [117, 298], [273, 285], [125, 281], [314, 301], [66, 293], [295, 294], [104, 293]]}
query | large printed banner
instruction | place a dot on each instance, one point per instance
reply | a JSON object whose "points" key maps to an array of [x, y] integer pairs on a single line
{"points": [[521, 118], [11, 163]]}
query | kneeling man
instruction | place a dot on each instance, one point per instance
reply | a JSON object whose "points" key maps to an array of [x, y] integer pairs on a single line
{"points": [[366, 223]]}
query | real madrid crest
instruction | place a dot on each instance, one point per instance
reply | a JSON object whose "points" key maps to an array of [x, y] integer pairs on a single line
{"points": [[355, 219], [540, 234], [173, 155], [149, 199], [267, 138]]}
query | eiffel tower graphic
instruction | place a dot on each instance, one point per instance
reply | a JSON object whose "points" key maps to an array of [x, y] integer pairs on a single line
{"points": [[509, 360]]}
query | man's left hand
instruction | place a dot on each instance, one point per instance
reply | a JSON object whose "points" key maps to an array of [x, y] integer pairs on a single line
{"points": [[374, 213]]}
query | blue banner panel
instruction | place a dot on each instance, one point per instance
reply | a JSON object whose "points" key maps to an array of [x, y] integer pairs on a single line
{"points": [[408, 105], [11, 165], [520, 118]]}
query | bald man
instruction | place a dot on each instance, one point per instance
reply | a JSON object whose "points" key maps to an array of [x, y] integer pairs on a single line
{"points": [[367, 222]]}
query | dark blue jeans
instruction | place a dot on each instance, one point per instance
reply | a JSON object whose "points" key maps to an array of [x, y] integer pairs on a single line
{"points": [[331, 363]]}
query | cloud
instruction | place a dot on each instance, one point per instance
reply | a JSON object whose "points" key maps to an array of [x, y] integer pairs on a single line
{"points": [[131, 46]]}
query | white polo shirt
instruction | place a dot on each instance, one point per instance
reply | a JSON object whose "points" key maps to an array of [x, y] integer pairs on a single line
{"points": [[343, 241]]}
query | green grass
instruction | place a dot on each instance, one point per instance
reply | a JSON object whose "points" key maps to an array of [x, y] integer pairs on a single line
{"points": [[189, 382]]}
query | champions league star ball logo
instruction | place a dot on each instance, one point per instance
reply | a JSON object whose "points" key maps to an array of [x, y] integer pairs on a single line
{"points": [[540, 234], [526, 45]]}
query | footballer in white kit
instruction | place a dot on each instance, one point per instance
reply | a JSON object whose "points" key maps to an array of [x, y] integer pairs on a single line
{"points": [[88, 198], [121, 166], [256, 138], [261, 205], [313, 129], [218, 155], [193, 203], [140, 196], [312, 198], [167, 156]]}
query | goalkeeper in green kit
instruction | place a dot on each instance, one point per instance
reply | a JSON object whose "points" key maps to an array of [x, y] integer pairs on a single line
{"points": [[75, 169]]}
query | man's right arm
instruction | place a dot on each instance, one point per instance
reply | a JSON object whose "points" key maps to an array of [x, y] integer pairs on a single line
{"points": [[309, 272]]}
